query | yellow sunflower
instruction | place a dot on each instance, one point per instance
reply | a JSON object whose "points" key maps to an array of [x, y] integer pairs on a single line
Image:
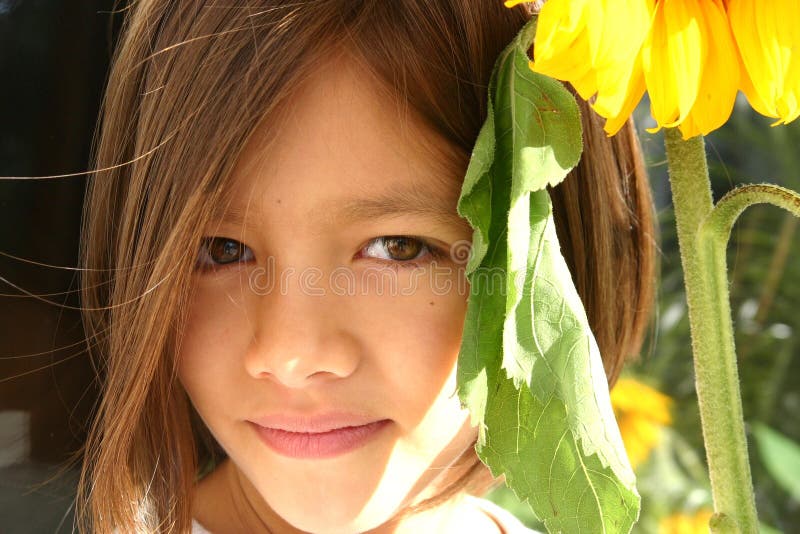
{"points": [[692, 56], [769, 43], [641, 412], [696, 523]]}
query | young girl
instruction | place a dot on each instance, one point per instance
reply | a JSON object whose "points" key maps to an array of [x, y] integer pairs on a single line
{"points": [[275, 287]]}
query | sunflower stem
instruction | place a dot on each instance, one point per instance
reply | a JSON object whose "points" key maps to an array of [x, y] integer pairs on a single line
{"points": [[716, 376]]}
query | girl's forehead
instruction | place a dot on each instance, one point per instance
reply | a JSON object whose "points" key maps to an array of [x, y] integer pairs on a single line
{"points": [[342, 133]]}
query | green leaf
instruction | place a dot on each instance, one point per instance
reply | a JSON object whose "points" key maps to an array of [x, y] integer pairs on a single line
{"points": [[766, 529], [780, 456], [529, 369]]}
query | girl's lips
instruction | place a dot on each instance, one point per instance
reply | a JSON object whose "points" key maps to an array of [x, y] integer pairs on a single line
{"points": [[307, 422], [319, 444]]}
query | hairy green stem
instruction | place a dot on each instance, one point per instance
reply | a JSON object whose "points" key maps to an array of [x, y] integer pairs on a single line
{"points": [[716, 375], [732, 470], [734, 203]]}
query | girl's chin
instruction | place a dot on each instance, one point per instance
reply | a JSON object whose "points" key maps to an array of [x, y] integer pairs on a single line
{"points": [[331, 517], [325, 503]]}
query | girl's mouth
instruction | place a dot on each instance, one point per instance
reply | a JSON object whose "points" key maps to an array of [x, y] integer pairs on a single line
{"points": [[325, 444]]}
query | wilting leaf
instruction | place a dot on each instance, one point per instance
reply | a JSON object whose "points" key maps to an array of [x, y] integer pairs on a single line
{"points": [[529, 368]]}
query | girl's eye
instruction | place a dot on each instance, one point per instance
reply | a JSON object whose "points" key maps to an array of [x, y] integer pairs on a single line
{"points": [[220, 251], [403, 250]]}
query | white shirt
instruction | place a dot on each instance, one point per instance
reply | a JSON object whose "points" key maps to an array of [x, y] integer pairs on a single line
{"points": [[508, 522]]}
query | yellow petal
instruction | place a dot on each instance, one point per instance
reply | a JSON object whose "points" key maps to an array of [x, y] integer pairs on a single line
{"points": [[622, 26], [701, 520], [595, 45], [641, 412], [789, 103], [561, 45], [673, 56], [639, 437], [633, 448], [768, 38], [632, 396], [742, 19], [676, 524], [696, 523], [605, 105], [791, 98], [720, 78], [749, 90]]}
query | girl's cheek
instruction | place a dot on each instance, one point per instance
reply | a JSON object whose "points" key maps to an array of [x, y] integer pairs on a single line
{"points": [[214, 329], [422, 311]]}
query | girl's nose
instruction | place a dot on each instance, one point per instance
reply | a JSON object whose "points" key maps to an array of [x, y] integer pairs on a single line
{"points": [[301, 339]]}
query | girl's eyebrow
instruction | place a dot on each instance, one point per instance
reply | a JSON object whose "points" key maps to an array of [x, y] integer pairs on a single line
{"points": [[401, 199], [398, 200]]}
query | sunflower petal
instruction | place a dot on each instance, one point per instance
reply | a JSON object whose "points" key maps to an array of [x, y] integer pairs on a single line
{"points": [[720, 79], [770, 51], [561, 45], [673, 57], [789, 35], [616, 55], [749, 90], [691, 55], [616, 118]]}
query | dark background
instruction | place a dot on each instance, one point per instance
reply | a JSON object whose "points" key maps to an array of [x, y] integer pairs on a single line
{"points": [[53, 60]]}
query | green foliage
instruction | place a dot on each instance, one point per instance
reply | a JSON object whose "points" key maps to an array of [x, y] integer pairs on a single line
{"points": [[781, 458], [765, 291], [529, 368]]}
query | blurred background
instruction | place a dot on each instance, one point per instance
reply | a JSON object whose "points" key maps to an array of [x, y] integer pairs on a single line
{"points": [[53, 60]]}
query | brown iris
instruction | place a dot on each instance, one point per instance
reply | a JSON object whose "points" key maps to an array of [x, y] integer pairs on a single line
{"points": [[223, 250], [402, 248]]}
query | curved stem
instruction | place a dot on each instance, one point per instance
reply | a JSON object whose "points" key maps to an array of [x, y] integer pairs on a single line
{"points": [[716, 374], [715, 233], [729, 207]]}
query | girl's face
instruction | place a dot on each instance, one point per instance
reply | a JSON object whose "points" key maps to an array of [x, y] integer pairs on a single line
{"points": [[324, 309]]}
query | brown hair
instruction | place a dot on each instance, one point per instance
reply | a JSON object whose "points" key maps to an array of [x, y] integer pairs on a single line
{"points": [[190, 82]]}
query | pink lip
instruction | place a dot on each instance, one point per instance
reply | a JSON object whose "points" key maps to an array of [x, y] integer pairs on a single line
{"points": [[321, 436]]}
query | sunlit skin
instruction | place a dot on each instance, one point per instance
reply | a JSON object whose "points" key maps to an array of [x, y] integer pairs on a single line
{"points": [[249, 353]]}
